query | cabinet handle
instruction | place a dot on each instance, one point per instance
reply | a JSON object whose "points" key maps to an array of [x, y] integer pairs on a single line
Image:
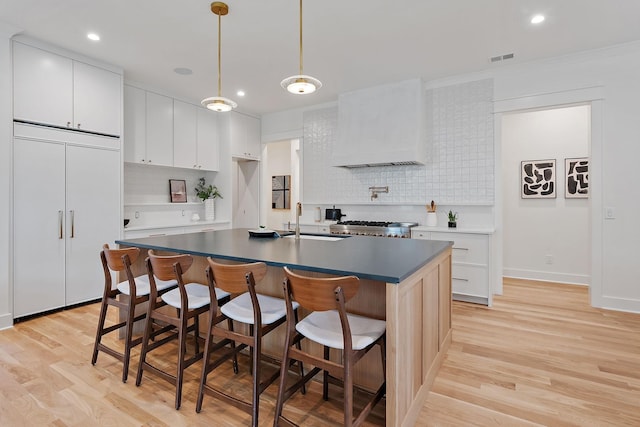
{"points": [[78, 125], [459, 278], [460, 249], [195, 166], [73, 223], [61, 235], [157, 235], [68, 124], [148, 161]]}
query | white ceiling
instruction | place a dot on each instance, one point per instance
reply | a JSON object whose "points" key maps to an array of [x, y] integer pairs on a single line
{"points": [[348, 44]]}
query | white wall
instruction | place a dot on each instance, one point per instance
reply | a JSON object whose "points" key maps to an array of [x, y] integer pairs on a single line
{"points": [[6, 133], [535, 229], [278, 155]]}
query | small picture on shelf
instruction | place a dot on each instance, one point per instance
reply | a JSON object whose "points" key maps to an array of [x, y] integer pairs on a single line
{"points": [[178, 190]]}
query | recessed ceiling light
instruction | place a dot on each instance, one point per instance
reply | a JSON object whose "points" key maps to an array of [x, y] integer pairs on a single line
{"points": [[537, 19], [240, 93], [93, 36], [182, 71]]}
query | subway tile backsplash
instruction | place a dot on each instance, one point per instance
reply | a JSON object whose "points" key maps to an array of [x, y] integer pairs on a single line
{"points": [[459, 169]]}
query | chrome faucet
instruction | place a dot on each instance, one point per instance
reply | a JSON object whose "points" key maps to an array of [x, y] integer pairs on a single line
{"points": [[298, 213]]}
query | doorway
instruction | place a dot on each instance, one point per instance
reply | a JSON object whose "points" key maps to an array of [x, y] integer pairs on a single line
{"points": [[546, 238]]}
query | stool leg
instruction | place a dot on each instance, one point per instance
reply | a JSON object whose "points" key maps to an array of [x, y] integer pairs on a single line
{"points": [[282, 386], [205, 360], [196, 332], [182, 347], [101, 320], [348, 391], [325, 377], [300, 364], [145, 343], [128, 336], [233, 345], [257, 352]]}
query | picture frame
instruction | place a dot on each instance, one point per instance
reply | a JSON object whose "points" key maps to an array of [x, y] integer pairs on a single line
{"points": [[538, 179], [178, 190], [281, 192], [576, 183]]}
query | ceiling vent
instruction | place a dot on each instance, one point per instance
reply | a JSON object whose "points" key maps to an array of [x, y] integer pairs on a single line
{"points": [[501, 57]]}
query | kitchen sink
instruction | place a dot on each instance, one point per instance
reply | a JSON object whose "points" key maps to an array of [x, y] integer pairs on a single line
{"points": [[313, 237]]}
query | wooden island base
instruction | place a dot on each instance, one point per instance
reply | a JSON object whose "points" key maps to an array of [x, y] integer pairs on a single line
{"points": [[418, 315]]}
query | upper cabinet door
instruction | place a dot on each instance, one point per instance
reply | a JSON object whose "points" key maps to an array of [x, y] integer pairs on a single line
{"points": [[159, 130], [184, 135], [42, 86], [135, 125], [96, 99], [245, 136], [208, 140]]}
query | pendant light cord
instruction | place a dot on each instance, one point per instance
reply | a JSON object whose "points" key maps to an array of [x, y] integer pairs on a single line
{"points": [[300, 37], [219, 56]]}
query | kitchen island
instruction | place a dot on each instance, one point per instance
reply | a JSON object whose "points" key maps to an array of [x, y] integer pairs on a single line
{"points": [[406, 282]]}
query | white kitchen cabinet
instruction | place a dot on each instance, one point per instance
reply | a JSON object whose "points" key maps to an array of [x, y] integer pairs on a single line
{"points": [[195, 137], [148, 127], [159, 124], [55, 90], [470, 263], [135, 125], [39, 227], [245, 136], [208, 140], [66, 206], [185, 125]]}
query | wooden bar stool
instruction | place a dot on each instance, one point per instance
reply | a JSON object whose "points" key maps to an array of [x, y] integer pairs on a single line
{"points": [[136, 291], [261, 313], [330, 325], [190, 300]]}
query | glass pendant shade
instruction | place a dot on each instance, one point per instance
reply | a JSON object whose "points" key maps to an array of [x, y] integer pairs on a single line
{"points": [[301, 84], [219, 104]]}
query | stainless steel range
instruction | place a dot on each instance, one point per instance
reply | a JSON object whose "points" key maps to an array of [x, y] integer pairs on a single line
{"points": [[373, 228]]}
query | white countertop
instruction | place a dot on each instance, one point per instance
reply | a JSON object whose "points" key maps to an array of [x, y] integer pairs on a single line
{"points": [[470, 230], [173, 224]]}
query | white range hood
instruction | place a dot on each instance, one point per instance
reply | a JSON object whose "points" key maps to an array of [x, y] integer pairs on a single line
{"points": [[381, 126]]}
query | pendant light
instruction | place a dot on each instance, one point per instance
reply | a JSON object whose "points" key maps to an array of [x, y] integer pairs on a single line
{"points": [[219, 103], [301, 84]]}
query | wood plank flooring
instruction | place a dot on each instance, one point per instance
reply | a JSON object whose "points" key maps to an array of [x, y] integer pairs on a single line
{"points": [[540, 356]]}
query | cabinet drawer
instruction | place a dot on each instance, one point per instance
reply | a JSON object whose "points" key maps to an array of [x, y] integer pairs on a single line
{"points": [[152, 232], [469, 248], [423, 235], [470, 280]]}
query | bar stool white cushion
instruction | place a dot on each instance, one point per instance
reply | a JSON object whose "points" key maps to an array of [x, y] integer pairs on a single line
{"points": [[198, 296], [142, 285], [324, 327], [241, 309]]}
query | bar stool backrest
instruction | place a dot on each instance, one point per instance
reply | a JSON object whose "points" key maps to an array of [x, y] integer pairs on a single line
{"points": [[233, 278], [320, 294], [113, 257], [169, 267]]}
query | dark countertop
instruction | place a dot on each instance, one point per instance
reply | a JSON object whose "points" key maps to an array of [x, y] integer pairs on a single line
{"points": [[374, 258]]}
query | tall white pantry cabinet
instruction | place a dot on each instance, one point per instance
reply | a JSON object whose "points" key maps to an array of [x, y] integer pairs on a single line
{"points": [[66, 184]]}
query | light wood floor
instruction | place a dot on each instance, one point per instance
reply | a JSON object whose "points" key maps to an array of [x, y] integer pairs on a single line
{"points": [[539, 356]]}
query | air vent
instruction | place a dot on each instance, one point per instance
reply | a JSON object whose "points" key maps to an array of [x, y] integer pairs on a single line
{"points": [[501, 57]]}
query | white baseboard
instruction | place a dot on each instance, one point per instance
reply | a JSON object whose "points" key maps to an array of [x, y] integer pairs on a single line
{"points": [[6, 321], [547, 276]]}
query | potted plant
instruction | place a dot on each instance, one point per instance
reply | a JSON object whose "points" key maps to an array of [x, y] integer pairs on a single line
{"points": [[208, 193], [453, 218]]}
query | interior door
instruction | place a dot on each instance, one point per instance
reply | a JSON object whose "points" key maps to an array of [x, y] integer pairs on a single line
{"points": [[93, 218], [39, 231]]}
